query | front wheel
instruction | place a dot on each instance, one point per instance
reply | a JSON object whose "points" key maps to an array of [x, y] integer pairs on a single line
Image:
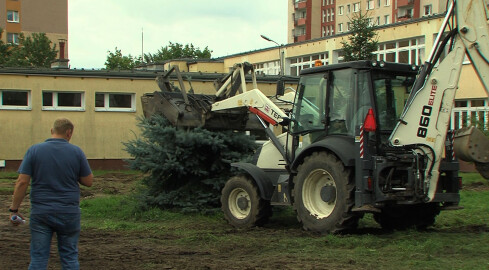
{"points": [[242, 205], [323, 194]]}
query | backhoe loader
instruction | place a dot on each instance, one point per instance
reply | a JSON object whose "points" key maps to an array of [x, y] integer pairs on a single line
{"points": [[361, 137]]}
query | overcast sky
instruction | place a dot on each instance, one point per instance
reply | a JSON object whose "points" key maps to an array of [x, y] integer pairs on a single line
{"points": [[225, 26]]}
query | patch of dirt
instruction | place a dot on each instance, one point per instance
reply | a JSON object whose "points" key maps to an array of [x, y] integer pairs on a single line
{"points": [[476, 186], [111, 183], [103, 249]]}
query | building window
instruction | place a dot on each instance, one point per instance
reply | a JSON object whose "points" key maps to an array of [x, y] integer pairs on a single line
{"points": [[340, 10], [378, 3], [348, 10], [63, 101], [470, 112], [12, 16], [409, 51], [298, 64], [15, 100], [356, 7], [409, 13], [460, 103], [386, 19], [13, 38], [340, 28], [427, 10], [119, 102], [387, 3], [370, 4], [268, 68]]}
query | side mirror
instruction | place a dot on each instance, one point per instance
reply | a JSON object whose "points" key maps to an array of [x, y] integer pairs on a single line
{"points": [[280, 88]]}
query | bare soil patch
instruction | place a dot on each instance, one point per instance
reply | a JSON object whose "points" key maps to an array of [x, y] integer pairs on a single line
{"points": [[122, 249], [102, 249]]}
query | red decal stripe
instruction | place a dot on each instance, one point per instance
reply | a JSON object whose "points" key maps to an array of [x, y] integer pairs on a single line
{"points": [[263, 115]]}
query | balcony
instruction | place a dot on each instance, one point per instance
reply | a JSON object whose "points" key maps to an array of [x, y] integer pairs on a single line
{"points": [[300, 4], [404, 18], [300, 22], [404, 3], [300, 38]]}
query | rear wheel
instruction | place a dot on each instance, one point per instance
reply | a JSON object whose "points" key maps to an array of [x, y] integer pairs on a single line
{"points": [[242, 205], [419, 216], [323, 194]]}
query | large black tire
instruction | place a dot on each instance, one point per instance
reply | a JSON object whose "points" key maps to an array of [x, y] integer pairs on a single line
{"points": [[419, 216], [330, 211], [242, 205]]}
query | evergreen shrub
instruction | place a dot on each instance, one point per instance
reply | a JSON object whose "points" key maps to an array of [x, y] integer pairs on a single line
{"points": [[186, 168]]}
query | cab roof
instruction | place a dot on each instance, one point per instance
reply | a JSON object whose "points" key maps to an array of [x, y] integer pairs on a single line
{"points": [[364, 64]]}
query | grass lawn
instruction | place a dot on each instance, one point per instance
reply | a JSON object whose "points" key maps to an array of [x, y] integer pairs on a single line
{"points": [[459, 239]]}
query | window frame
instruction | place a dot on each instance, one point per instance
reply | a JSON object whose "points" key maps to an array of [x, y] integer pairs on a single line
{"points": [[14, 39], [56, 107], [107, 107], [356, 7], [15, 16], [299, 63], [370, 5], [28, 107]]}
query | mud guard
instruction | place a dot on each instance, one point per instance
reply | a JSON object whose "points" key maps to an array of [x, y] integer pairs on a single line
{"points": [[343, 148], [262, 181], [471, 145]]}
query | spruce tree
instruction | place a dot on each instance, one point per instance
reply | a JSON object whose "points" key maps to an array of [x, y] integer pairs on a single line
{"points": [[186, 168], [362, 40]]}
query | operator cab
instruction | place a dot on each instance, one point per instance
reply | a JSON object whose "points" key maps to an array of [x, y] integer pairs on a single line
{"points": [[334, 100]]}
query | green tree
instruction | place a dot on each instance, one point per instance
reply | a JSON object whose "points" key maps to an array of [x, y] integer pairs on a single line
{"points": [[186, 168], [115, 60], [32, 51], [178, 51], [5, 50], [362, 41]]}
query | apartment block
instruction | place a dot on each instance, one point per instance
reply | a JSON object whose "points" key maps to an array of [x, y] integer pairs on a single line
{"points": [[35, 16], [311, 19], [304, 20]]}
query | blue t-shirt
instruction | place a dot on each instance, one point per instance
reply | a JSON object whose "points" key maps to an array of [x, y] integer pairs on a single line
{"points": [[55, 167]]}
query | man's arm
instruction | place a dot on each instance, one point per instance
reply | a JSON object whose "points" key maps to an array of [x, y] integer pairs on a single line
{"points": [[87, 180], [20, 189]]}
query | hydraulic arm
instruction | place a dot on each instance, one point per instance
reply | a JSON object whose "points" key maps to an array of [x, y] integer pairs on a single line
{"points": [[424, 122]]}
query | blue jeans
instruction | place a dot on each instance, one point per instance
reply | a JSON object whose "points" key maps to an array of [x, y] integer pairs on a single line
{"points": [[67, 229]]}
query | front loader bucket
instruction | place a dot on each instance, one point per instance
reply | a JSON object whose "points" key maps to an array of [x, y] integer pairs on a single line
{"points": [[472, 145], [195, 111]]}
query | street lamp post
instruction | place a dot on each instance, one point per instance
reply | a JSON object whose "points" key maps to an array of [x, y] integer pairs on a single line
{"points": [[281, 72]]}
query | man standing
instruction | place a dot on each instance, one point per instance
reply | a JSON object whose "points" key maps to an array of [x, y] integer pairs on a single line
{"points": [[56, 168]]}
